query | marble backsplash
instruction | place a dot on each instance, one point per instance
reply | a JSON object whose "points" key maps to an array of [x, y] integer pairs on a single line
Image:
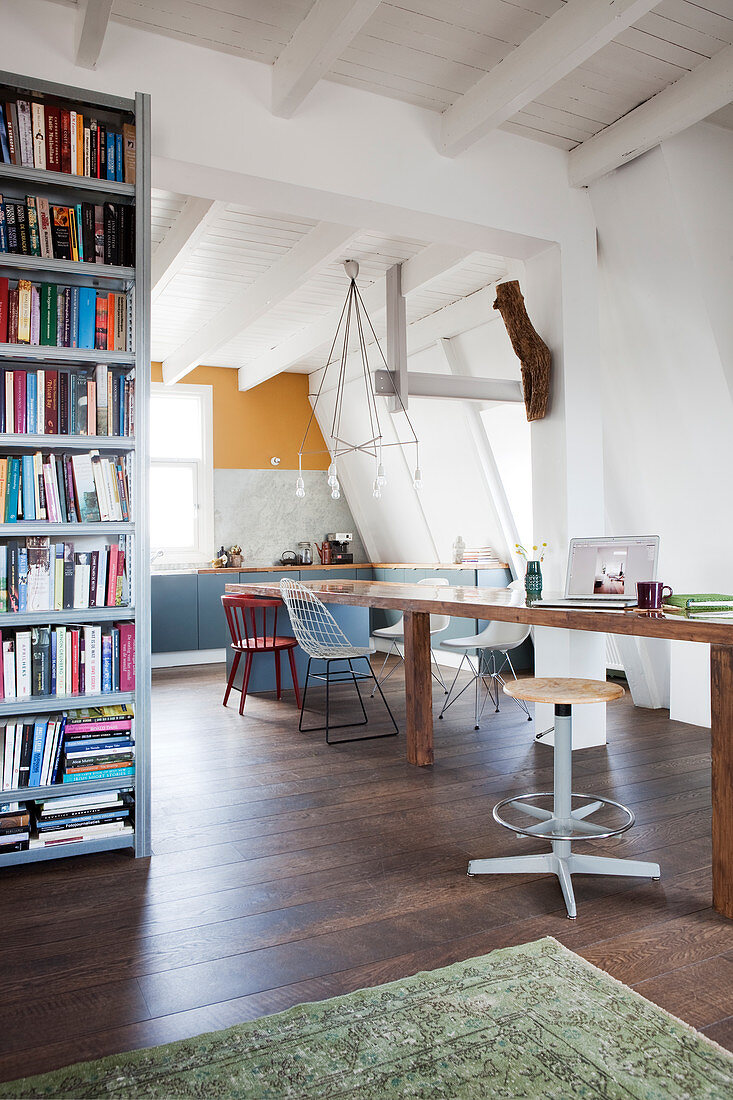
{"points": [[259, 511]]}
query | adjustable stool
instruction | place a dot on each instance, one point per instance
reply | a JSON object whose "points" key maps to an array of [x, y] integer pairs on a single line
{"points": [[563, 824]]}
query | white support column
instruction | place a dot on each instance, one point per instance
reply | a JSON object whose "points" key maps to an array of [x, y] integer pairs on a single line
{"points": [[396, 335], [567, 455]]}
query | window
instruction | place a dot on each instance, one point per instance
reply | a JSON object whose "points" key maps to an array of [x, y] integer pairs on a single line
{"points": [[181, 473]]}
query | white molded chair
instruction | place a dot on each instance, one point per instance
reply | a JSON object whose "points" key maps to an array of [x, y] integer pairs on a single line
{"points": [[492, 646], [320, 636], [396, 634]]}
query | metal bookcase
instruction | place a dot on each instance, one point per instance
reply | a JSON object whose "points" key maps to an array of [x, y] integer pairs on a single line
{"points": [[58, 186]]}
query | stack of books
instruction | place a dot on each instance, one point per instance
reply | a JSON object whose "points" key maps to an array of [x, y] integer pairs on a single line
{"points": [[14, 827], [67, 660], [58, 139], [87, 233], [31, 752], [76, 818], [48, 315], [700, 603], [483, 556], [99, 745], [60, 488], [37, 574]]}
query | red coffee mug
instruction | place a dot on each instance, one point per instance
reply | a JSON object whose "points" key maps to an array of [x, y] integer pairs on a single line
{"points": [[649, 594]]}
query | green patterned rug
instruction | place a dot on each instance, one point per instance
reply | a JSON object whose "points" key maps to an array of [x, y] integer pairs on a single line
{"points": [[528, 1021]]}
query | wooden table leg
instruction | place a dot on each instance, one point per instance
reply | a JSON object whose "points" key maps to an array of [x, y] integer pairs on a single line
{"points": [[721, 685], [418, 688]]}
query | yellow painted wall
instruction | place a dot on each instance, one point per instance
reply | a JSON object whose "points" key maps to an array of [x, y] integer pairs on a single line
{"points": [[251, 427]]}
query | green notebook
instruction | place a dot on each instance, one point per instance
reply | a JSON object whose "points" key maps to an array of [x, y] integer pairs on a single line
{"points": [[701, 601]]}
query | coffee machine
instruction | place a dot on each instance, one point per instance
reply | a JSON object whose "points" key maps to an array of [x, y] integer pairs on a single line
{"points": [[339, 543]]}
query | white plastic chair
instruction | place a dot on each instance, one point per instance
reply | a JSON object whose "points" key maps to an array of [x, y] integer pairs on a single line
{"points": [[320, 636], [492, 646], [396, 634]]}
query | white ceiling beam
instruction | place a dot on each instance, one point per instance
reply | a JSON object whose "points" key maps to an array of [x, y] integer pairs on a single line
{"points": [[318, 248], [567, 39], [175, 249], [93, 29], [318, 41], [430, 263], [689, 100]]}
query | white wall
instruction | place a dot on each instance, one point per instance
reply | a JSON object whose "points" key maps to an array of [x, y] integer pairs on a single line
{"points": [[665, 230]]}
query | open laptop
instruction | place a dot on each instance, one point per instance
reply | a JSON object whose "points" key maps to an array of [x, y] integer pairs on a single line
{"points": [[603, 572]]}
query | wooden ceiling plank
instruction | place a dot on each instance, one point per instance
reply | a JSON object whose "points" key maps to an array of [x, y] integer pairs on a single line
{"points": [[93, 29], [318, 41], [422, 269], [317, 248], [564, 41], [706, 89]]}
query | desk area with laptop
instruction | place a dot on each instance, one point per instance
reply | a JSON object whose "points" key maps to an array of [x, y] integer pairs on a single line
{"points": [[586, 563], [605, 572]]}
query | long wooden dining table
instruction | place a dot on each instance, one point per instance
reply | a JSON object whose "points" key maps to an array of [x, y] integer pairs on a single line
{"points": [[418, 602]]}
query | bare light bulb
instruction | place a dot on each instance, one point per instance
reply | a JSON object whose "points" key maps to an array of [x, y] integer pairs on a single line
{"points": [[376, 490], [381, 476], [335, 494], [332, 476], [300, 488], [417, 478]]}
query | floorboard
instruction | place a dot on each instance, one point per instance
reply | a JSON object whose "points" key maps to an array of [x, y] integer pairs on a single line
{"points": [[285, 870]]}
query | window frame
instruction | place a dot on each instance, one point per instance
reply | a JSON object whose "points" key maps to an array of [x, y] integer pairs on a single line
{"points": [[203, 548]]}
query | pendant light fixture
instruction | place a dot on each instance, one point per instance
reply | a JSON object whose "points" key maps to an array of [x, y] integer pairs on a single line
{"points": [[352, 330]]}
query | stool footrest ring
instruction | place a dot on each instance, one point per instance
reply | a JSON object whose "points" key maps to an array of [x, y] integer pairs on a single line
{"points": [[574, 827]]}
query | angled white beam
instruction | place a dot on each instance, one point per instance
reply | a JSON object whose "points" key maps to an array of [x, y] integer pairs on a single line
{"points": [[93, 30], [429, 264], [318, 41], [564, 41], [690, 99], [180, 240], [324, 243]]}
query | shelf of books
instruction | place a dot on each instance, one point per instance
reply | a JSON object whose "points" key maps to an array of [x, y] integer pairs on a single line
{"points": [[74, 548]]}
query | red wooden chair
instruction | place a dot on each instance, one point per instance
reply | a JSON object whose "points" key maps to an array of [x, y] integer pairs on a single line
{"points": [[252, 626]]}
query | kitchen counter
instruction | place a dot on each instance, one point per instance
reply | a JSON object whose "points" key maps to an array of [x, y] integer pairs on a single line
{"points": [[355, 565]]}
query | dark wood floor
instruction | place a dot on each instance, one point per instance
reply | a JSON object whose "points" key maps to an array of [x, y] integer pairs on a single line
{"points": [[287, 871]]}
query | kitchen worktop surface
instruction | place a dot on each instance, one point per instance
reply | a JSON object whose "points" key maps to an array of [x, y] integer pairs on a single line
{"points": [[354, 565], [246, 567]]}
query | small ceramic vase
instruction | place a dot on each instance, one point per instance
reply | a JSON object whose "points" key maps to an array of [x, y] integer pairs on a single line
{"points": [[533, 581]]}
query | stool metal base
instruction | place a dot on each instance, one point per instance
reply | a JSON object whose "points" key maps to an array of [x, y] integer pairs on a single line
{"points": [[561, 825], [564, 864]]}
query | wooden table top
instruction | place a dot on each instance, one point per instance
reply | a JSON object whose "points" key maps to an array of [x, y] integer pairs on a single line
{"points": [[506, 605]]}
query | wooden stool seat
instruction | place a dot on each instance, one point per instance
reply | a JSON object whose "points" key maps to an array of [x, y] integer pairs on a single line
{"points": [[568, 690]]}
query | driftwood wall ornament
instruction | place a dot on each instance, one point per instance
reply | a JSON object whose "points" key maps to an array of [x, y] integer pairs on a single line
{"points": [[531, 350]]}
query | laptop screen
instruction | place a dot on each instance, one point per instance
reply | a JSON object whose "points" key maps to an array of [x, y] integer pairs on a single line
{"points": [[610, 567]]}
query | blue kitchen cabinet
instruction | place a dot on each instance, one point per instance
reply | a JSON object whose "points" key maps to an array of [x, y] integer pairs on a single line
{"points": [[213, 631], [174, 612]]}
